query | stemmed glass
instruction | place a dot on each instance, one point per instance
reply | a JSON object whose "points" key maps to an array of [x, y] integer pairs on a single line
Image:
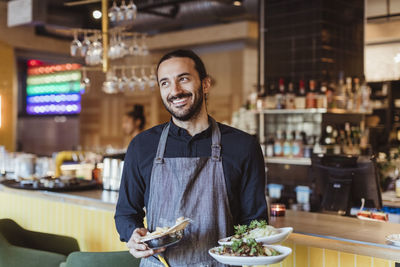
{"points": [[122, 11], [131, 11], [133, 81], [112, 51], [123, 81], [111, 82], [75, 45], [113, 12], [152, 82], [123, 49], [94, 53], [85, 45], [134, 49], [85, 83], [144, 50], [143, 80]]}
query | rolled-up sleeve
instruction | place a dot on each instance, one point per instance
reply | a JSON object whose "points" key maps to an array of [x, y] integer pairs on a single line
{"points": [[252, 195], [129, 212]]}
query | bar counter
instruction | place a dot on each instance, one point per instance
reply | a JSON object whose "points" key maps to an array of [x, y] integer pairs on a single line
{"points": [[346, 234], [318, 239]]}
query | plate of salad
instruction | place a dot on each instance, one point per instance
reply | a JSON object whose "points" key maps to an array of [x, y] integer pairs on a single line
{"points": [[249, 252], [260, 231]]}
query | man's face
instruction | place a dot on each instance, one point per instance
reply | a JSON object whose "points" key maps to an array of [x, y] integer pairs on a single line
{"points": [[180, 87]]}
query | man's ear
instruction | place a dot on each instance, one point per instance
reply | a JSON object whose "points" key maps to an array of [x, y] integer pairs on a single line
{"points": [[206, 83]]}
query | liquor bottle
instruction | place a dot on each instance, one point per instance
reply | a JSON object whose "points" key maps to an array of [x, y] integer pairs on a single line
{"points": [[287, 145], [322, 101], [311, 96], [270, 102], [280, 96], [300, 102], [270, 147], [290, 97], [365, 96], [349, 94], [340, 94], [357, 95], [297, 147], [278, 145]]}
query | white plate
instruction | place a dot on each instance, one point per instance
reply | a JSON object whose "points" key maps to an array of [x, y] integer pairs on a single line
{"points": [[281, 236], [261, 260], [394, 239]]}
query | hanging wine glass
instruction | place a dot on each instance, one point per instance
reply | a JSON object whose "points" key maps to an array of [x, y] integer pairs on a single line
{"points": [[144, 50], [75, 45], [85, 83], [85, 45], [134, 49], [143, 79], [123, 81], [112, 51], [97, 51], [133, 81], [110, 84], [123, 50], [131, 11], [152, 82], [113, 12], [122, 11]]}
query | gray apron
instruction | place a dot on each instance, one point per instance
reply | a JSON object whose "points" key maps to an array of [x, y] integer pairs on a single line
{"points": [[194, 188]]}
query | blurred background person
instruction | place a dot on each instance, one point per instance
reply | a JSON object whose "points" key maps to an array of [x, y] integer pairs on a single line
{"points": [[133, 122]]}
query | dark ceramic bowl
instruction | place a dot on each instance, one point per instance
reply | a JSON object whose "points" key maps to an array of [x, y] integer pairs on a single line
{"points": [[165, 241]]}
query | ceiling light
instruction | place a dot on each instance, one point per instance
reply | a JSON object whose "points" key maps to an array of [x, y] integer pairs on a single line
{"points": [[237, 3], [96, 14]]}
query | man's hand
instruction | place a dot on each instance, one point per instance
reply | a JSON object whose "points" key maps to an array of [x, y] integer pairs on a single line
{"points": [[139, 249]]}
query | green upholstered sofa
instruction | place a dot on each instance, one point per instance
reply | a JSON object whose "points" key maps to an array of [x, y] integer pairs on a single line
{"points": [[101, 259], [21, 247]]}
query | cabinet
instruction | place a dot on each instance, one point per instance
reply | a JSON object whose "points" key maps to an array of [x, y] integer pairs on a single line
{"points": [[294, 171]]}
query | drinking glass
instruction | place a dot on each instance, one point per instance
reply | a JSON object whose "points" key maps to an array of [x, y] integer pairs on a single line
{"points": [[112, 51], [131, 11], [122, 11], [143, 80], [133, 81], [123, 50], [85, 45], [85, 83], [113, 12], [134, 49], [75, 45], [152, 82], [123, 81], [144, 50], [111, 82]]}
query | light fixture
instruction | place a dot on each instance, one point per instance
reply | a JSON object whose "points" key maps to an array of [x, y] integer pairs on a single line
{"points": [[237, 3], [96, 14]]}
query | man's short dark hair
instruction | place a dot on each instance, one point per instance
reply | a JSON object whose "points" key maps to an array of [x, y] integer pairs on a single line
{"points": [[198, 63]]}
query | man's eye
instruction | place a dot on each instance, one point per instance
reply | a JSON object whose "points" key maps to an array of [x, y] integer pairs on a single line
{"points": [[184, 79], [163, 84]]}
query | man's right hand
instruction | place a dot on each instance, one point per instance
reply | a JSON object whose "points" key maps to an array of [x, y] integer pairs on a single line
{"points": [[139, 249]]}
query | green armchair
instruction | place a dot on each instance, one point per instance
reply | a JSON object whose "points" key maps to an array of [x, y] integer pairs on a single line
{"points": [[101, 259], [21, 247]]}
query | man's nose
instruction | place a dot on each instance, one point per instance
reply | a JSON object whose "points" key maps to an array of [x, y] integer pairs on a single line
{"points": [[176, 89]]}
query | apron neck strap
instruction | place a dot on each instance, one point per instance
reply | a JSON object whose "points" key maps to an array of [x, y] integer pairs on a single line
{"points": [[162, 143], [215, 142]]}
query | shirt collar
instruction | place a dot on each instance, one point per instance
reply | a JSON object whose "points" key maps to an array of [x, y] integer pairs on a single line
{"points": [[178, 131]]}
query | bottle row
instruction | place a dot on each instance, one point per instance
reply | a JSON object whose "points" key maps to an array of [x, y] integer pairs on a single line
{"points": [[352, 95], [335, 139]]}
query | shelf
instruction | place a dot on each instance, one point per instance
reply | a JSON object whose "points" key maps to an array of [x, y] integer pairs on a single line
{"points": [[309, 111], [286, 160]]}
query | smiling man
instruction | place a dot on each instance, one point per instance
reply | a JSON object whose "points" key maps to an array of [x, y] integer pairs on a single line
{"points": [[191, 166]]}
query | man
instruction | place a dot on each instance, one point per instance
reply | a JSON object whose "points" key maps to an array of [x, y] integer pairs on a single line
{"points": [[192, 167]]}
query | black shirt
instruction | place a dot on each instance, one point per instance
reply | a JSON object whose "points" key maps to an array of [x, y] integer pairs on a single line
{"points": [[242, 162]]}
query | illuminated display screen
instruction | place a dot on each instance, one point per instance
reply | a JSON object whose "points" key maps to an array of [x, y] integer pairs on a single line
{"points": [[53, 89]]}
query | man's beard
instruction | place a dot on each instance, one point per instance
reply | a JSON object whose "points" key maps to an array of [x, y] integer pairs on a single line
{"points": [[193, 110]]}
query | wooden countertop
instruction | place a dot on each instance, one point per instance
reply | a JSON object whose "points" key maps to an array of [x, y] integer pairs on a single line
{"points": [[345, 234], [97, 199]]}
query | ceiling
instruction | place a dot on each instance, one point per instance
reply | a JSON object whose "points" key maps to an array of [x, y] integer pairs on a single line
{"points": [[153, 16]]}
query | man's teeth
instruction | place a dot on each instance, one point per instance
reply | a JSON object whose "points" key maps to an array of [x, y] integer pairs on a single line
{"points": [[178, 101]]}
